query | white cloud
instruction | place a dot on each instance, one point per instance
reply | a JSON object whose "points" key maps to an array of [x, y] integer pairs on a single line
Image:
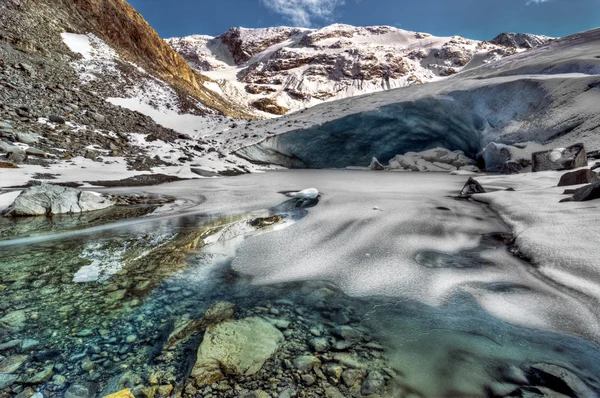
{"points": [[537, 1], [302, 12]]}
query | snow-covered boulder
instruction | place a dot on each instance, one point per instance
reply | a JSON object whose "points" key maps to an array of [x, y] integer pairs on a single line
{"points": [[308, 193], [437, 159], [47, 199], [568, 158]]}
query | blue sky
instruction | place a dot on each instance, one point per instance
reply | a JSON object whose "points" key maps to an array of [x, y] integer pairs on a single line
{"points": [[476, 19]]}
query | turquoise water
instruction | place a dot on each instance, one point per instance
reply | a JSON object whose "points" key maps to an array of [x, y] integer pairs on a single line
{"points": [[152, 274]]}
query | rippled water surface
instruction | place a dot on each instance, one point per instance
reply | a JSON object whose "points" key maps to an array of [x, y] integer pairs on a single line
{"points": [[443, 307]]}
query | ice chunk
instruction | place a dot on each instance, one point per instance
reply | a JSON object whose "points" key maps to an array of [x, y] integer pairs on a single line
{"points": [[309, 193]]}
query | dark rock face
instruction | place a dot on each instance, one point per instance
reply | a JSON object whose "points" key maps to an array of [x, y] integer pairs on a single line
{"points": [[560, 158], [578, 177], [520, 40], [589, 192], [471, 187]]}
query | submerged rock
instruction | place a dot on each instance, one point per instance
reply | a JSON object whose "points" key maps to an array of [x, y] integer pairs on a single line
{"points": [[240, 347], [47, 199], [560, 158], [578, 177]]}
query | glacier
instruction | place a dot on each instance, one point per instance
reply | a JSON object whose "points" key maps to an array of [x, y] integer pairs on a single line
{"points": [[546, 97]]}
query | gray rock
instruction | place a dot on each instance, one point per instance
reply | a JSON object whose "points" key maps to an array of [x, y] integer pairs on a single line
{"points": [[241, 347], [347, 333], [17, 155], [219, 312], [35, 152], [81, 390], [85, 333], [47, 199], [471, 187], [306, 363], [350, 377], [13, 320], [588, 192], [91, 154], [27, 138], [373, 384], [6, 380], [29, 344], [288, 393], [96, 116], [87, 364], [343, 345], [41, 376], [12, 364], [560, 158], [309, 380], [333, 392], [56, 119], [319, 344], [10, 344], [6, 147], [6, 127], [584, 176]]}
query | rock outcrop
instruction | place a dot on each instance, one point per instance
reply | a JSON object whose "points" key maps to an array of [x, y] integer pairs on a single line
{"points": [[47, 199], [568, 158]]}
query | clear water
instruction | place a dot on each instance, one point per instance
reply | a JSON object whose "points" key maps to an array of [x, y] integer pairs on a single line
{"points": [[455, 313]]}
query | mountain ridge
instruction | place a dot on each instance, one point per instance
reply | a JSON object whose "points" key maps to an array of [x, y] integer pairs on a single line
{"points": [[296, 68]]}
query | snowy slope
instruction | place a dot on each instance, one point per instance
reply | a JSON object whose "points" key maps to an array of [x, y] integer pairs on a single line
{"points": [[299, 68]]}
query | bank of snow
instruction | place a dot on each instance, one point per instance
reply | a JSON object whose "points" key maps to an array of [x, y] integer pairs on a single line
{"points": [[561, 239]]}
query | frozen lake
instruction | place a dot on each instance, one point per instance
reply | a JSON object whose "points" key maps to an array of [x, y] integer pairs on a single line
{"points": [[427, 277]]}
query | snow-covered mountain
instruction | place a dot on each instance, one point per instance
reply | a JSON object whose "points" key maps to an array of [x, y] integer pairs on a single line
{"points": [[543, 98], [283, 69]]}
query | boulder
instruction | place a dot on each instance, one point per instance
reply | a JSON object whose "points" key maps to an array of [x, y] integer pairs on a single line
{"points": [[239, 347], [17, 155], [373, 384], [306, 363], [47, 199], [471, 187], [588, 192], [560, 158], [27, 138], [56, 119], [584, 176], [375, 165]]}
